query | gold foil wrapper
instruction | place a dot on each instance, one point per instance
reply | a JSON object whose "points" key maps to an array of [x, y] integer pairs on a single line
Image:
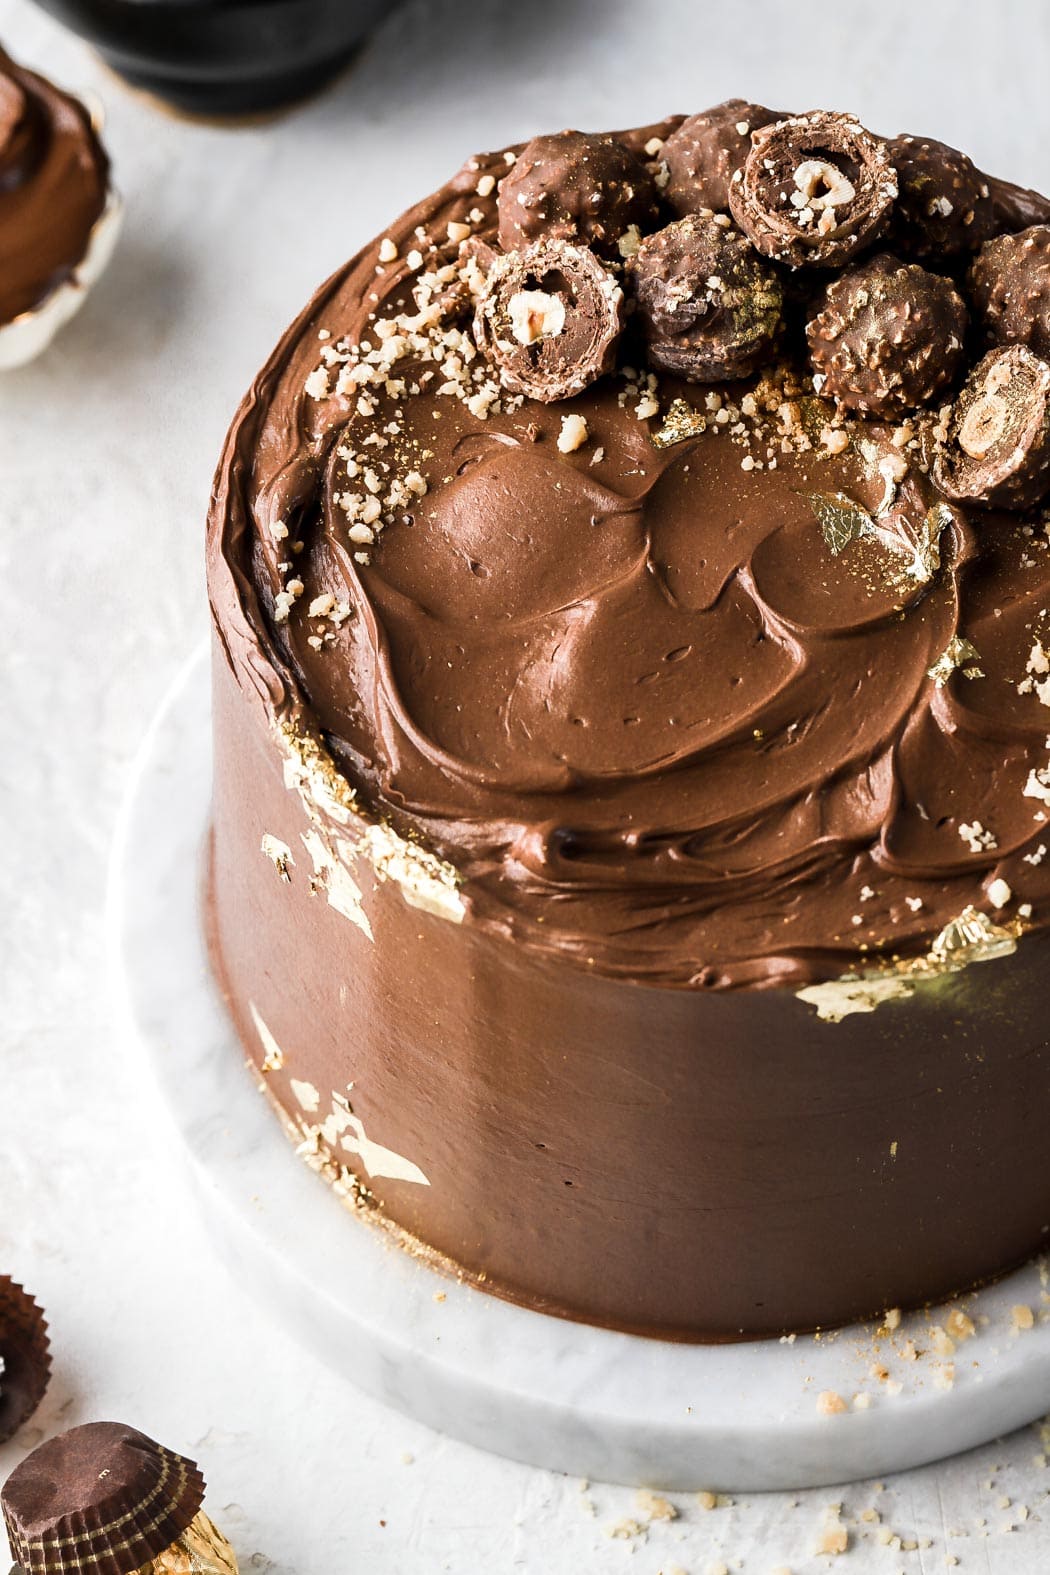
{"points": [[201, 1550]]}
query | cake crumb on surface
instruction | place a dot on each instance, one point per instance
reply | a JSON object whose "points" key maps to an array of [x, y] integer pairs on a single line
{"points": [[654, 1506], [625, 1530], [834, 1536], [941, 1342], [960, 1326], [829, 1403]]}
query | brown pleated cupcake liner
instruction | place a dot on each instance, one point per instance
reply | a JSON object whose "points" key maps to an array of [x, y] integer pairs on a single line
{"points": [[26, 1357], [155, 1494]]}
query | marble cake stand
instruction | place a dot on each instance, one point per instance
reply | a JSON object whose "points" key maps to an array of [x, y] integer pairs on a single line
{"points": [[556, 1394]]}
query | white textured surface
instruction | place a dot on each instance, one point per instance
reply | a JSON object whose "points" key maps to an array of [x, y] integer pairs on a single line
{"points": [[106, 450]]}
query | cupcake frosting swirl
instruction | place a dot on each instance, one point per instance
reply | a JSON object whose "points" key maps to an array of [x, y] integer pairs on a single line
{"points": [[53, 187]]}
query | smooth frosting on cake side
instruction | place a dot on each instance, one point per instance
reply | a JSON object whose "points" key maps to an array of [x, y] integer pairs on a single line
{"points": [[633, 659]]}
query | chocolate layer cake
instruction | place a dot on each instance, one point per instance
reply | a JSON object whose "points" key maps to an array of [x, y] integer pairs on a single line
{"points": [[631, 596]]}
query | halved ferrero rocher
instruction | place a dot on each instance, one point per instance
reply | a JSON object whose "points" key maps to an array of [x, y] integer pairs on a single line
{"points": [[577, 187], [814, 190], [103, 1497], [25, 1358], [1010, 287], [889, 335], [995, 448], [548, 319], [709, 306], [706, 150]]}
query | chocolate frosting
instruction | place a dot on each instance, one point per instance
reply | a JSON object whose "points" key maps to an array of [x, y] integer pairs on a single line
{"points": [[53, 183], [673, 710]]}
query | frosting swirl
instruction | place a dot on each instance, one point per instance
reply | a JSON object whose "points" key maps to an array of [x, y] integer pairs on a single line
{"points": [[53, 185], [725, 696]]}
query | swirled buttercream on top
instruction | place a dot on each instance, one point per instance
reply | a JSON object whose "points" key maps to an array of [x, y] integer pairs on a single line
{"points": [[646, 704]]}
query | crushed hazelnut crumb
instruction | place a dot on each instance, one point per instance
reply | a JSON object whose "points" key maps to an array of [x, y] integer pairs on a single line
{"points": [[573, 434]]}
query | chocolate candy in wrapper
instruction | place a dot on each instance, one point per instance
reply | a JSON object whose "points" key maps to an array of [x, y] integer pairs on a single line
{"points": [[102, 1498], [576, 187], [709, 306], [889, 335], [814, 190], [705, 152], [1010, 287], [995, 447], [548, 319], [25, 1356]]}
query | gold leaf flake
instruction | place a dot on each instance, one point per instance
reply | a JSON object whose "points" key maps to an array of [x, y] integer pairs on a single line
{"points": [[928, 547], [956, 653], [921, 544], [839, 998], [972, 937], [841, 520], [680, 422]]}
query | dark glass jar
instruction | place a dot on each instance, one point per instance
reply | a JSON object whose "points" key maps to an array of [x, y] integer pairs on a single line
{"points": [[222, 57]]}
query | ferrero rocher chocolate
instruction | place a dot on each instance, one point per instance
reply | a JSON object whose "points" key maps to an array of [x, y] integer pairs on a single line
{"points": [[710, 307], [814, 190], [1010, 285], [572, 187], [629, 868], [548, 318], [996, 449], [705, 151], [888, 337], [103, 1497]]}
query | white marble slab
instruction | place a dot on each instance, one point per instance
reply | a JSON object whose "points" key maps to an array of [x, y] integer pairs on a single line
{"points": [[556, 1394]]}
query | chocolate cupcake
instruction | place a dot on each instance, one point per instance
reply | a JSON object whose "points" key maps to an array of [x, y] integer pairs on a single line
{"points": [[59, 215], [628, 872], [25, 1357], [103, 1497]]}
